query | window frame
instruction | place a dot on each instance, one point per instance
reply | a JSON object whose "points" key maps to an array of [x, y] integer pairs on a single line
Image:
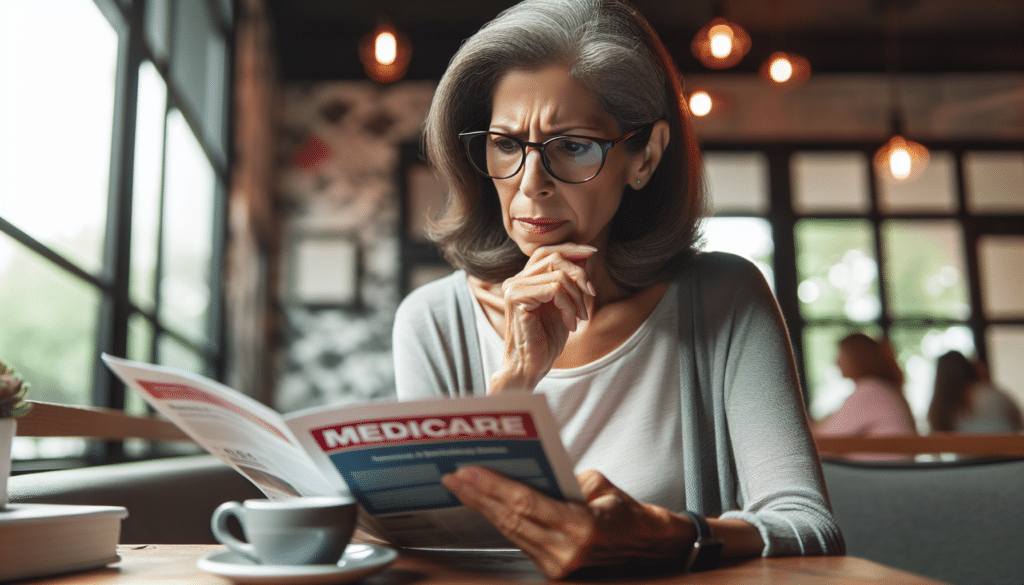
{"points": [[783, 218], [111, 281]]}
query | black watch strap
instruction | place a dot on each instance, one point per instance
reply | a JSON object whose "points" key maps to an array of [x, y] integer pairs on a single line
{"points": [[707, 550]]}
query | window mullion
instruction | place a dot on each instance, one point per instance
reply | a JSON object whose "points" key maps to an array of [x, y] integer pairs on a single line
{"points": [[885, 319], [112, 330], [783, 222]]}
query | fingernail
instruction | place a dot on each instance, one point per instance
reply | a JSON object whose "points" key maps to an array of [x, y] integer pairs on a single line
{"points": [[591, 289], [468, 475], [458, 478], [586, 247], [451, 481]]}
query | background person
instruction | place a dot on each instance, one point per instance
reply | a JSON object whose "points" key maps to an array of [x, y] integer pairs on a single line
{"points": [[877, 406], [574, 199], [965, 401]]}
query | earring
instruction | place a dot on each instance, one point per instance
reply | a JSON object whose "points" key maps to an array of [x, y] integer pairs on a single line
{"points": [[638, 182]]}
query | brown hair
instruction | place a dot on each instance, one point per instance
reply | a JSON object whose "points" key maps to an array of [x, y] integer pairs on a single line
{"points": [[872, 358], [612, 50], [954, 375]]}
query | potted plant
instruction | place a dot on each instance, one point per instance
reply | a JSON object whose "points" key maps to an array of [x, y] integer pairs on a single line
{"points": [[12, 406]]}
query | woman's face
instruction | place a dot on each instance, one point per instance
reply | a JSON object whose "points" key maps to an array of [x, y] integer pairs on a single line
{"points": [[537, 209]]}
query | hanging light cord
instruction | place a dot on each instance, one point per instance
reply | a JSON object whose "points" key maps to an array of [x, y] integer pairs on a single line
{"points": [[892, 57]]}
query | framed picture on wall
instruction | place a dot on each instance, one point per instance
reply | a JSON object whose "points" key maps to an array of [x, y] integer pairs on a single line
{"points": [[324, 270], [424, 198]]}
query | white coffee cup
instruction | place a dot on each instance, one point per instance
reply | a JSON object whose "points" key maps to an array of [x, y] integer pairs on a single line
{"points": [[289, 531]]}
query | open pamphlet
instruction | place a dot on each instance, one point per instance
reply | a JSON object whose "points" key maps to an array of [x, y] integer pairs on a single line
{"points": [[388, 456]]}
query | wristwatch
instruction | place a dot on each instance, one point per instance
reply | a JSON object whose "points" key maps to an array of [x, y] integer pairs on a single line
{"points": [[706, 549]]}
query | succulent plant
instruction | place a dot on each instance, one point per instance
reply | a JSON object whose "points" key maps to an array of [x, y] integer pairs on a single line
{"points": [[12, 394]]}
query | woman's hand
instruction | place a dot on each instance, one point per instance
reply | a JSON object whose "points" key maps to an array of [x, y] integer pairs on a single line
{"points": [[611, 528], [543, 304]]}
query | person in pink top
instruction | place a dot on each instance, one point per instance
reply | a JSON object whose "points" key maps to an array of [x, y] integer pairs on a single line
{"points": [[877, 405]]}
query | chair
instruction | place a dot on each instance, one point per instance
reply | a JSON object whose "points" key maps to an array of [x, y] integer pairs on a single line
{"points": [[960, 522]]}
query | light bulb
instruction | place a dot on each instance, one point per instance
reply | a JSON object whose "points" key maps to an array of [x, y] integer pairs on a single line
{"points": [[781, 70], [899, 163], [901, 159], [700, 103], [785, 70], [385, 48], [385, 53], [720, 44], [720, 37]]}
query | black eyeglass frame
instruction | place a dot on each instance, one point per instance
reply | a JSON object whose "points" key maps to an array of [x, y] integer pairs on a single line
{"points": [[605, 145]]}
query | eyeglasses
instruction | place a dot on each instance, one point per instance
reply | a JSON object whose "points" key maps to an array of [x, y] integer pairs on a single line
{"points": [[570, 159]]}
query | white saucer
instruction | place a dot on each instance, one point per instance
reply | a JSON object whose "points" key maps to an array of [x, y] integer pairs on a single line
{"points": [[358, 561]]}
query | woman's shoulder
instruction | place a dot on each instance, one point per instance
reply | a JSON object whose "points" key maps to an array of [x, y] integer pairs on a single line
{"points": [[441, 296], [440, 287], [873, 386], [723, 261], [989, 398], [723, 269], [727, 279]]}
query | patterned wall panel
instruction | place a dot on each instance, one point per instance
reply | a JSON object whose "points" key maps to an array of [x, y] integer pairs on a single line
{"points": [[339, 181]]}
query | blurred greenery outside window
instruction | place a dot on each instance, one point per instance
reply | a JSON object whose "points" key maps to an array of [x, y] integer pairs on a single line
{"points": [[63, 252], [882, 257]]}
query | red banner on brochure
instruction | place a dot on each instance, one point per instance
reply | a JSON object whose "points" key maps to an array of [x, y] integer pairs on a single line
{"points": [[164, 391], [506, 425]]}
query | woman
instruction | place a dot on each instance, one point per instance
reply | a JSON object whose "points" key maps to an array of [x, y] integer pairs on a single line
{"points": [[964, 402], [877, 405], [575, 195]]}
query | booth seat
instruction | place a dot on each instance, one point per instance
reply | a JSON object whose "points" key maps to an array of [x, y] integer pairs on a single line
{"points": [[959, 522], [169, 501]]}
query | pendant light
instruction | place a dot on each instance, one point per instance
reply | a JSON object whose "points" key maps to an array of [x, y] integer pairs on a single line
{"points": [[701, 103], [785, 70], [899, 159], [782, 69], [385, 53], [720, 44]]}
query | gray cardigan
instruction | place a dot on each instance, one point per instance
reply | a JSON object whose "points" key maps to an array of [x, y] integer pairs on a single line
{"points": [[748, 450]]}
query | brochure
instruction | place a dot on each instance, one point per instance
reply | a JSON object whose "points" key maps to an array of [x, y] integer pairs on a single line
{"points": [[388, 456]]}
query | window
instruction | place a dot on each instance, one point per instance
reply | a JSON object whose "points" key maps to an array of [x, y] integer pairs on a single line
{"points": [[98, 118], [737, 184], [933, 263]]}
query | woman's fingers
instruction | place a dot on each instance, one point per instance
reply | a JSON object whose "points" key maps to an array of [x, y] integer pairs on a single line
{"points": [[504, 501], [560, 537], [594, 484], [568, 258], [557, 288], [570, 252], [553, 274], [543, 304], [530, 296], [552, 533]]}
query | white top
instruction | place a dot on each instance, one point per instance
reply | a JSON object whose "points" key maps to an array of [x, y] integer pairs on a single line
{"points": [[599, 404], [991, 411]]}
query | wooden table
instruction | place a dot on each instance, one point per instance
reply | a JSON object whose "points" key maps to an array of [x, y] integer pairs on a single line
{"points": [[160, 564]]}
